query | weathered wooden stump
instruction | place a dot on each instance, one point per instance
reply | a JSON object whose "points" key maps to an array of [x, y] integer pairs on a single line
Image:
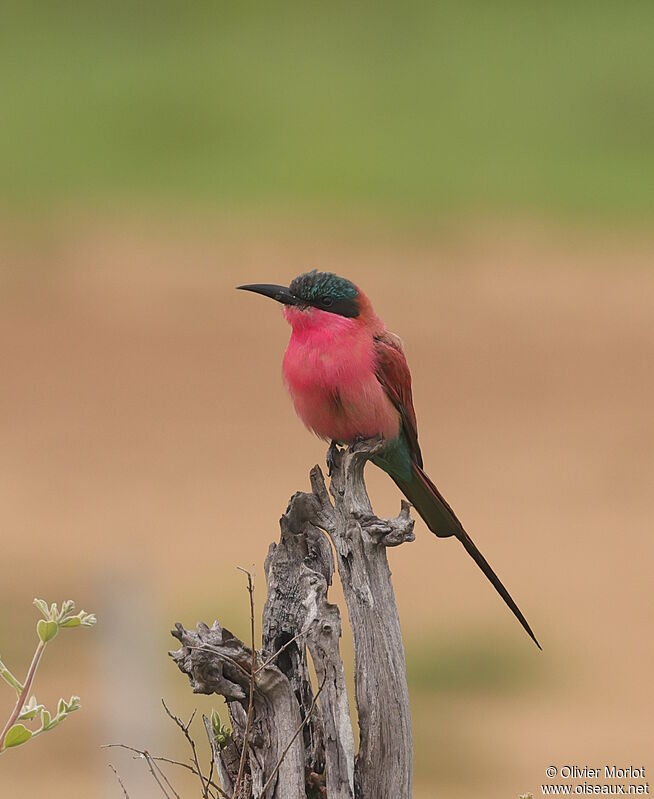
{"points": [[300, 742]]}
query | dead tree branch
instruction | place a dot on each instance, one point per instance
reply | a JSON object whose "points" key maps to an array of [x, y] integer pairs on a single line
{"points": [[287, 741]]}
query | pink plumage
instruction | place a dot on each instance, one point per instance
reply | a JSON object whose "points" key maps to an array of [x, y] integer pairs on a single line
{"points": [[329, 369]]}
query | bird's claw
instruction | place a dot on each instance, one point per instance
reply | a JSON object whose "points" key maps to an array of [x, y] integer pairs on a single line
{"points": [[332, 454]]}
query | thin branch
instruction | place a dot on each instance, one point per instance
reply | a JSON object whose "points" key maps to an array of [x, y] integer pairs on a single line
{"points": [[120, 782], [212, 765], [152, 765], [215, 748], [184, 728], [295, 735], [165, 778], [248, 724], [25, 693], [139, 753]]}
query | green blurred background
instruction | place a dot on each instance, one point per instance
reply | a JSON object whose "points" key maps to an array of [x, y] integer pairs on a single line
{"points": [[485, 171], [409, 108]]}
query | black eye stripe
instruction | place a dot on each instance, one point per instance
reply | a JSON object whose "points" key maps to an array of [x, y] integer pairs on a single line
{"points": [[342, 307]]}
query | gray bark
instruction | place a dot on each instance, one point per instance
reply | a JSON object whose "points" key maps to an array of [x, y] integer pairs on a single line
{"points": [[217, 662], [298, 617]]}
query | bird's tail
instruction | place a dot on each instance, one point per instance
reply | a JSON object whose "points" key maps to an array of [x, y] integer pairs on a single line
{"points": [[442, 521]]}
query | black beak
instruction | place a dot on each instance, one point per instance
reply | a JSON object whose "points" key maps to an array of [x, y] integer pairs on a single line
{"points": [[279, 293]]}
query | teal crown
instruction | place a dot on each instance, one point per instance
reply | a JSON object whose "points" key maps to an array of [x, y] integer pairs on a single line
{"points": [[327, 291]]}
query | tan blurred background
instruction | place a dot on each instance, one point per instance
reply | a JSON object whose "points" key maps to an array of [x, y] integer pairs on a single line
{"points": [[485, 174]]}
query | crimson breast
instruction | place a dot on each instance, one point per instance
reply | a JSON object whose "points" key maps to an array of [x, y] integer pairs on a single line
{"points": [[329, 369]]}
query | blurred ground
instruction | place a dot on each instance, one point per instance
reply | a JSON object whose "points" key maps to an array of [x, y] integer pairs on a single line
{"points": [[148, 448]]}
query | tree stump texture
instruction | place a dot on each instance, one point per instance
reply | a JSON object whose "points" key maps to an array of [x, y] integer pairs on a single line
{"points": [[300, 742]]}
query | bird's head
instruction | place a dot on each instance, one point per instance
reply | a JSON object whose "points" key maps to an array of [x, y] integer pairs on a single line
{"points": [[313, 294]]}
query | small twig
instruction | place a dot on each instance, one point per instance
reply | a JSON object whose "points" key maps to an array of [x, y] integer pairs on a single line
{"points": [[214, 747], [212, 765], [185, 729], [120, 782], [165, 778], [139, 753], [295, 735], [152, 765], [241, 765]]}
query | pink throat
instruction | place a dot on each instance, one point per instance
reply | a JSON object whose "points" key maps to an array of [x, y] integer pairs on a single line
{"points": [[310, 321]]}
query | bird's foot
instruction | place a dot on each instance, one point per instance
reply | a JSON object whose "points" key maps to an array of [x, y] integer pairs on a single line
{"points": [[332, 454]]}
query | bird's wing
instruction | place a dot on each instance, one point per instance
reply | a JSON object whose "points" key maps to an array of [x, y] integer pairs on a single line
{"points": [[393, 373]]}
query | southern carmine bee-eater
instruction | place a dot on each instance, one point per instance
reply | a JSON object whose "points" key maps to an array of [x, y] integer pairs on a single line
{"points": [[349, 380]]}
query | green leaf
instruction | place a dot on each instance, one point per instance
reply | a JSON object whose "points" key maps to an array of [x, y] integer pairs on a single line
{"points": [[17, 735], [74, 621], [42, 605], [82, 618], [67, 607], [9, 678], [30, 709], [221, 732], [46, 720], [216, 723], [71, 706], [47, 630]]}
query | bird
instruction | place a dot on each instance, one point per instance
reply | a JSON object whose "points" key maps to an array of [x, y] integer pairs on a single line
{"points": [[349, 380]]}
